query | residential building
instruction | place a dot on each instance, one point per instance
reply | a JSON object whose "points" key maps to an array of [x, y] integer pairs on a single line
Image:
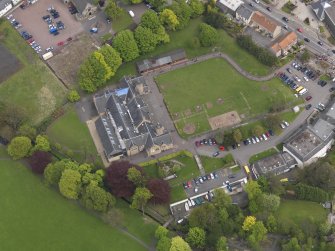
{"points": [[273, 165], [310, 142], [325, 11], [244, 14], [86, 8], [229, 6], [263, 23], [5, 6], [285, 43], [126, 125], [166, 60]]}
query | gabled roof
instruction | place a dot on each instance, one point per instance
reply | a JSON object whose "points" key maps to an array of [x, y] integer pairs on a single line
{"points": [[267, 23], [244, 12], [320, 7], [81, 4], [289, 39]]}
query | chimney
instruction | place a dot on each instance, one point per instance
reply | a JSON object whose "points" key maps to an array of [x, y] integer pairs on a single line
{"points": [[159, 130]]}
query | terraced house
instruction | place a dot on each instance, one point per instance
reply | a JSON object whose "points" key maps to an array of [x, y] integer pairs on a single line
{"points": [[126, 126]]}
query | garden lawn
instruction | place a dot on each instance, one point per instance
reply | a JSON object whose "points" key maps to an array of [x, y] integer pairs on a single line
{"points": [[262, 155], [212, 164], [298, 210], [35, 217], [204, 83], [122, 22], [34, 88], [72, 134], [183, 39]]}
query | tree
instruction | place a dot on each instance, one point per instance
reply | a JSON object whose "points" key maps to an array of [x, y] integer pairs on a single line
{"points": [[160, 190], [248, 223], [146, 40], [19, 147], [222, 244], [27, 130], [259, 231], [164, 244], [42, 144], [70, 184], [208, 35], [111, 57], [136, 1], [221, 199], [183, 12], [272, 121], [150, 20], [169, 19], [292, 245], [204, 216], [117, 181], [73, 96], [135, 176], [270, 202], [161, 232], [271, 224], [197, 8], [39, 161], [97, 198], [258, 130], [178, 244], [196, 237], [305, 57], [253, 190], [112, 10], [157, 4], [237, 135], [53, 172], [141, 197], [124, 42]]}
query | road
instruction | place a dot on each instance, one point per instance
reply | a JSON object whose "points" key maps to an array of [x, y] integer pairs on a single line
{"points": [[293, 24]]}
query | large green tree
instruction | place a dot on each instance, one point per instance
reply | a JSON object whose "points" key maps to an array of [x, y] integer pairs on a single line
{"points": [[112, 10], [183, 12], [70, 184], [164, 244], [169, 19], [178, 244], [197, 7], [27, 130], [196, 237], [222, 244], [42, 144], [146, 40], [136, 176], [161, 232], [292, 245], [97, 198], [151, 21], [111, 57], [124, 42], [19, 147], [208, 35], [141, 197], [270, 202]]}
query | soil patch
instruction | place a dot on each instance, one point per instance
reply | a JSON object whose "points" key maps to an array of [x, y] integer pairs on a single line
{"points": [[209, 105], [224, 120], [189, 128], [9, 64], [198, 108], [219, 101], [188, 113]]}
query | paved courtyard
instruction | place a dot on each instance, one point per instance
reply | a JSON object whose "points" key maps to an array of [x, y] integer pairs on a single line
{"points": [[32, 22]]}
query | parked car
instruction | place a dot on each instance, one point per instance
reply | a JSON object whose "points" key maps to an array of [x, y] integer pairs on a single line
{"points": [[308, 98], [189, 184], [282, 126], [195, 189], [216, 176], [306, 79], [332, 89], [320, 43], [216, 154], [286, 123], [269, 9], [307, 39], [300, 30], [201, 180], [285, 19], [289, 70], [307, 107]]}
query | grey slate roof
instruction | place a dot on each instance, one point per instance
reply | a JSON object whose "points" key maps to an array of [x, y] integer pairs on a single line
{"points": [[160, 61], [81, 4], [244, 12], [320, 7], [274, 164], [4, 3], [128, 120]]}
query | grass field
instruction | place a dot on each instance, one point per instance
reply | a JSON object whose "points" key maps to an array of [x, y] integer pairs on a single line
{"points": [[262, 155], [122, 22], [183, 39], [212, 164], [72, 134], [207, 82], [35, 217], [34, 88], [298, 210]]}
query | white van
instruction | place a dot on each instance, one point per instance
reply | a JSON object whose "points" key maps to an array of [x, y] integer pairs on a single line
{"points": [[303, 91], [131, 13]]}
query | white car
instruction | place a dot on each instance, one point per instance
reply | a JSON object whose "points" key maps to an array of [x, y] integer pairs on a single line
{"points": [[212, 176], [297, 79], [131, 13], [286, 123], [256, 1], [282, 126], [306, 79], [189, 203], [201, 180], [264, 136], [193, 203], [253, 141], [257, 139], [195, 189]]}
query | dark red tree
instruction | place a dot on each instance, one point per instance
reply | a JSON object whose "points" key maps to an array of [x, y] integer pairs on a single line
{"points": [[161, 191], [38, 161], [116, 179]]}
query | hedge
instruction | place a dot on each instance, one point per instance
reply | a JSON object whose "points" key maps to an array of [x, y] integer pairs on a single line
{"points": [[305, 192], [166, 157]]}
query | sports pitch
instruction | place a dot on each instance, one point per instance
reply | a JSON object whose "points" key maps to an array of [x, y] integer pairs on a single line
{"points": [[201, 91]]}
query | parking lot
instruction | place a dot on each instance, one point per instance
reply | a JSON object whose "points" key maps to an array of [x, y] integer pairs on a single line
{"points": [[32, 22]]}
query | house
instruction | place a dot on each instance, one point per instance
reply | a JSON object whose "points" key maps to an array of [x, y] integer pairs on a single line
{"points": [[166, 60], [273, 165], [325, 11], [229, 6], [263, 23], [5, 6], [244, 14], [86, 8], [310, 142], [282, 47], [126, 125]]}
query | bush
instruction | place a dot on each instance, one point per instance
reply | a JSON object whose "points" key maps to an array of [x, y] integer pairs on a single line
{"points": [[305, 192], [208, 35], [73, 96]]}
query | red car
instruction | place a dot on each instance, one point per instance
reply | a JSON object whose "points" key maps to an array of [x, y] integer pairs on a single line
{"points": [[221, 148], [300, 30], [197, 143], [308, 98], [189, 184]]}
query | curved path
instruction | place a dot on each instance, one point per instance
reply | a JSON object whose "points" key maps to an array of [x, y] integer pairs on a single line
{"points": [[208, 56]]}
